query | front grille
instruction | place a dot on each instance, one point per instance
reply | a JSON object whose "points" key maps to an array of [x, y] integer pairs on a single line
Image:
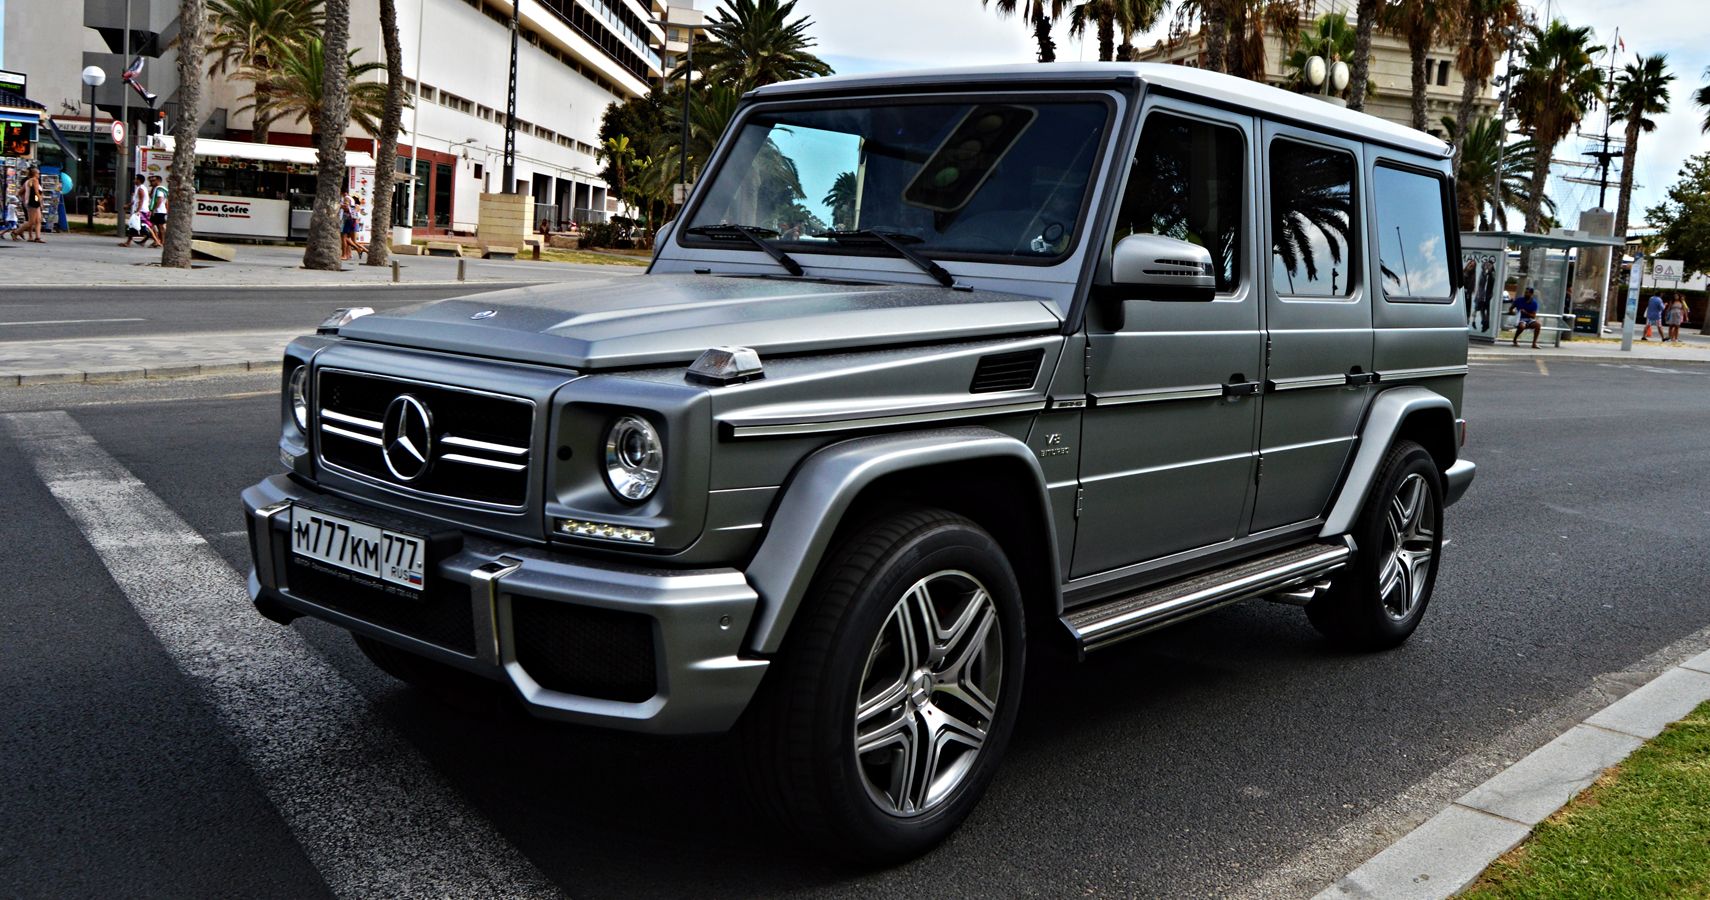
{"points": [[440, 615], [585, 650], [479, 444]]}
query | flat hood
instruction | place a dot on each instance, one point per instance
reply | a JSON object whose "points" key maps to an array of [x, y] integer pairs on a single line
{"points": [[628, 321]]}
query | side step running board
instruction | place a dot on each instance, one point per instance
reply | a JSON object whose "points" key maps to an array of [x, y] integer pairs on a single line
{"points": [[1106, 623]]}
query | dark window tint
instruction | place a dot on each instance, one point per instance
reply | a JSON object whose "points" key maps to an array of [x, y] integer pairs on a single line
{"points": [[1187, 182], [1412, 238], [1312, 221]]}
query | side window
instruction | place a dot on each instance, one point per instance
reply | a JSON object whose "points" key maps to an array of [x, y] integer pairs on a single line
{"points": [[1188, 181], [1412, 235], [1312, 221]]}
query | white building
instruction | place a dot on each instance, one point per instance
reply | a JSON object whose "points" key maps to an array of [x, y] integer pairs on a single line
{"points": [[575, 58]]}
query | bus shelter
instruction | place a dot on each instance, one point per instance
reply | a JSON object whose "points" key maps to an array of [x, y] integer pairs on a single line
{"points": [[1569, 270]]}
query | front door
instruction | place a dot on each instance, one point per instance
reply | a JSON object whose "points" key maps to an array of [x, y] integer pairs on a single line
{"points": [[1167, 451], [1318, 321]]}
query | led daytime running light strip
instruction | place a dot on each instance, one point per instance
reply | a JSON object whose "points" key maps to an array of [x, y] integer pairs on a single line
{"points": [[580, 528]]}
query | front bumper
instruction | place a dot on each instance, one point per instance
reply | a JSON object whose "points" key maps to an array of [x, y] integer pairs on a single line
{"points": [[1457, 479], [696, 620]]}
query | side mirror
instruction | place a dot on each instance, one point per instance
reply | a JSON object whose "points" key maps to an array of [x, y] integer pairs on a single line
{"points": [[1154, 267]]}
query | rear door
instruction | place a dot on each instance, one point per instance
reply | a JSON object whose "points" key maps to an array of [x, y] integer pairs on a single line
{"points": [[1318, 322], [1166, 451]]}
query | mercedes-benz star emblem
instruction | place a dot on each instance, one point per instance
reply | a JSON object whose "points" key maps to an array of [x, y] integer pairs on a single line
{"points": [[484, 314], [406, 438]]}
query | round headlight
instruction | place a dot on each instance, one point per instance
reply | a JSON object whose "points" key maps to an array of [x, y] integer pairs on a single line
{"points": [[634, 458], [300, 396]]}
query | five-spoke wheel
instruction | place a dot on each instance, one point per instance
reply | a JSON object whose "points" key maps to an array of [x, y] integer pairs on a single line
{"points": [[883, 720], [929, 693], [1378, 600]]}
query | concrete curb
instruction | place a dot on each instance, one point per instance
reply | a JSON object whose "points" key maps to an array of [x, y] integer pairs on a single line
{"points": [[1446, 854], [113, 374]]}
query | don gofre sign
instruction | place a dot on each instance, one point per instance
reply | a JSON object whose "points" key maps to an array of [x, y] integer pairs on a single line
{"points": [[241, 216]]}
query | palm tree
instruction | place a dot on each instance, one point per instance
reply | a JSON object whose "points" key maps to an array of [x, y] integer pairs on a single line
{"points": [[1484, 27], [1101, 13], [1421, 23], [1641, 90], [1556, 84], [386, 139], [753, 42], [1235, 31], [1484, 149], [1359, 71], [331, 104], [250, 35], [713, 108], [1039, 16], [1330, 38], [300, 89], [1701, 97], [1313, 209], [181, 178], [841, 200]]}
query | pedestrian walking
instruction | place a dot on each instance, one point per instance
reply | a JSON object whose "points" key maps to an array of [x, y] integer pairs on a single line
{"points": [[134, 210], [158, 206], [1675, 316], [347, 214], [33, 206], [1653, 317]]}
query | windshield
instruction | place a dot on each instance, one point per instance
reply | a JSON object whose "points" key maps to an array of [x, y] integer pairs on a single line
{"points": [[961, 179]]}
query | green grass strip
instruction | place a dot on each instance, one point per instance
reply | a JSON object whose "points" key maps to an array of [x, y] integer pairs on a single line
{"points": [[1643, 830]]}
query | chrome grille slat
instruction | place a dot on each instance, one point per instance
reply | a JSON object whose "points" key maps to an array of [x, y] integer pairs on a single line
{"points": [[479, 442]]}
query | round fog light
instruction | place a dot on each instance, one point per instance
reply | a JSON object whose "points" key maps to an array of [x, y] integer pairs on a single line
{"points": [[634, 458]]}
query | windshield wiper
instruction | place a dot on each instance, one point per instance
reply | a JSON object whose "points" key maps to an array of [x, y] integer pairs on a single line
{"points": [[894, 241], [754, 235]]}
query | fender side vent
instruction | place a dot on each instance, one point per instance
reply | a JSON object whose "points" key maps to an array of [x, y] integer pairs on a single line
{"points": [[1015, 371]]}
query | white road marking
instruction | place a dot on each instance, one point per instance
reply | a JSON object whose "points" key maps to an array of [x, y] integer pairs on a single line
{"points": [[370, 812], [70, 321]]}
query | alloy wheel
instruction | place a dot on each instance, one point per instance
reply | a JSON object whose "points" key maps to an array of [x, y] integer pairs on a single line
{"points": [[928, 693], [1410, 541]]}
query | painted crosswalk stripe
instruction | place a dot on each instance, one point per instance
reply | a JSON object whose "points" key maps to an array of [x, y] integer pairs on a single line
{"points": [[369, 811]]}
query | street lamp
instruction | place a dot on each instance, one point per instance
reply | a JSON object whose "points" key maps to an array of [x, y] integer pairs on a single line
{"points": [[1332, 77], [94, 77]]}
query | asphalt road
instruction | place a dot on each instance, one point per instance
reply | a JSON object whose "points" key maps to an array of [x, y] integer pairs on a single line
{"points": [[46, 313], [1234, 755]]}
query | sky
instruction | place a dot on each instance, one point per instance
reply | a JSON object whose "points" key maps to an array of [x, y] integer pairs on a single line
{"points": [[877, 35]]}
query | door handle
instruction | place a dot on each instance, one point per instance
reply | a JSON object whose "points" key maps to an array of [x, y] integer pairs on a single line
{"points": [[1242, 388], [1357, 377]]}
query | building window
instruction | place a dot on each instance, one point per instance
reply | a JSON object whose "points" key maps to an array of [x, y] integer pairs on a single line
{"points": [[1443, 72]]}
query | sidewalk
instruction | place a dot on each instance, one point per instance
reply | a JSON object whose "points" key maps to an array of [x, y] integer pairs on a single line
{"points": [[1693, 347], [83, 260]]}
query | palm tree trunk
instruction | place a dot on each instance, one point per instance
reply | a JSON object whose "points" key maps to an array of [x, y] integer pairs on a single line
{"points": [[1365, 12], [1623, 209], [1463, 114], [324, 232], [1417, 47], [1216, 39], [1106, 36], [386, 142], [1042, 34], [181, 178]]}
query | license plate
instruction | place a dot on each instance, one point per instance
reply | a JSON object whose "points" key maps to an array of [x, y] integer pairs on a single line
{"points": [[356, 547]]}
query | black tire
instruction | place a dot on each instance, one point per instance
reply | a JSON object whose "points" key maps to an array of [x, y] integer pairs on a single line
{"points": [[799, 741], [461, 690], [1364, 608]]}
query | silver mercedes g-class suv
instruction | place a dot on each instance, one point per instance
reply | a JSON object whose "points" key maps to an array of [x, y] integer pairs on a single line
{"points": [[931, 367]]}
